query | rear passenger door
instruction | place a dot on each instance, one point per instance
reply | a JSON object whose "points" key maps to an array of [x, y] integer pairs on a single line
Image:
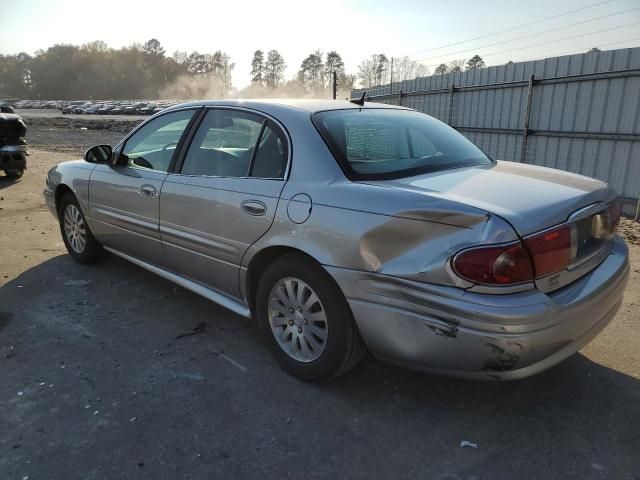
{"points": [[223, 196]]}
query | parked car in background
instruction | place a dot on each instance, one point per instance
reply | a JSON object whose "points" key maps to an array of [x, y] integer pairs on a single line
{"points": [[91, 109], [147, 109], [13, 146], [130, 109], [117, 109], [343, 227]]}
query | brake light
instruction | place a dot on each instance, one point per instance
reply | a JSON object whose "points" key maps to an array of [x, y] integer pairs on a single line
{"points": [[495, 265], [550, 250]]}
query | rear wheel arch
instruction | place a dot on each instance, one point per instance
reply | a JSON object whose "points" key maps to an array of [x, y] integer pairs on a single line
{"points": [[343, 347], [262, 260]]}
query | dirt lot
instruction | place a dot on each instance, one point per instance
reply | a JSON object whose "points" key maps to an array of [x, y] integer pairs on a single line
{"points": [[98, 382], [75, 135]]}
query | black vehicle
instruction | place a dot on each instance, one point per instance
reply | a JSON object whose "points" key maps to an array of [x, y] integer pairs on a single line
{"points": [[13, 146], [118, 109], [104, 109], [148, 109], [131, 110]]}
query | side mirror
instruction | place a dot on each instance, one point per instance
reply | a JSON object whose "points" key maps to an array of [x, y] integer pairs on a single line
{"points": [[99, 154]]}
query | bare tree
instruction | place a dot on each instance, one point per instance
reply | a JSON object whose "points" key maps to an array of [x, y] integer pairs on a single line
{"points": [[406, 69], [374, 70], [456, 65], [180, 57]]}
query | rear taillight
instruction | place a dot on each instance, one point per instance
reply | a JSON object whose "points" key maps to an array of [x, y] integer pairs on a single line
{"points": [[537, 256], [540, 255], [495, 265], [550, 250]]}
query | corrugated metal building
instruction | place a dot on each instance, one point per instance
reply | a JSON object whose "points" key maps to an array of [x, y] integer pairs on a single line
{"points": [[579, 113]]}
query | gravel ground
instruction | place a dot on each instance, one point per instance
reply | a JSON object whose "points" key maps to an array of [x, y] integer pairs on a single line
{"points": [[75, 135], [98, 382]]}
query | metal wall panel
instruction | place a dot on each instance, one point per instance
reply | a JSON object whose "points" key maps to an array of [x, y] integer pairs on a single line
{"points": [[587, 125]]}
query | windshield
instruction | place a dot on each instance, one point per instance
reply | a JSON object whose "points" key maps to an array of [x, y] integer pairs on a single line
{"points": [[389, 143]]}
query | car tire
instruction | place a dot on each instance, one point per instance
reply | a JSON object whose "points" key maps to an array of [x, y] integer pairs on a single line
{"points": [[14, 173], [318, 340], [80, 242]]}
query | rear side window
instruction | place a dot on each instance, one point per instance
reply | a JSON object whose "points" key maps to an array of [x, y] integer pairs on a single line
{"points": [[388, 143], [271, 157], [223, 145], [232, 143]]}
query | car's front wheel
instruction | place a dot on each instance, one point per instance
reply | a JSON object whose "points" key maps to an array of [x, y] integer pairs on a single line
{"points": [[77, 237], [306, 320]]}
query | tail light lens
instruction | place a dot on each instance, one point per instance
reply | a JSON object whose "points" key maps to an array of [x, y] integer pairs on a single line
{"points": [[537, 256], [495, 265], [550, 250]]}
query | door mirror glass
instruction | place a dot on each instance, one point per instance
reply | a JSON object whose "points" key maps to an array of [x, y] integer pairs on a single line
{"points": [[99, 154]]}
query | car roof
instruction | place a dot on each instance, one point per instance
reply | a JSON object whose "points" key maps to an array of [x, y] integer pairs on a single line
{"points": [[309, 105]]}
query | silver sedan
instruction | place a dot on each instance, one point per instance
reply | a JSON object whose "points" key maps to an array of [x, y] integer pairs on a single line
{"points": [[343, 228]]}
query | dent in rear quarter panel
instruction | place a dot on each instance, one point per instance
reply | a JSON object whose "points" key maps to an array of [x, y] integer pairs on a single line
{"points": [[390, 245]]}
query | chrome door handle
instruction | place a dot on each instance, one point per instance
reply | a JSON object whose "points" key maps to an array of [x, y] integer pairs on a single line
{"points": [[148, 191], [254, 207]]}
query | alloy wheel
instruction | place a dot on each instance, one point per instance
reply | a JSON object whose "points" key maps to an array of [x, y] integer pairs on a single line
{"points": [[74, 228], [298, 319]]}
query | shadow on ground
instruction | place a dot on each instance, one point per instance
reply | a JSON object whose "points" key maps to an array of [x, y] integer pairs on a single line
{"points": [[6, 182], [96, 384]]}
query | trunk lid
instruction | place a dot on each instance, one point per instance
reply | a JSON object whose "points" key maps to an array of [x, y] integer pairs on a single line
{"points": [[529, 197]]}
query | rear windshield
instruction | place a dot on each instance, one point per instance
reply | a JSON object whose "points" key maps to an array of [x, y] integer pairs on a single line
{"points": [[388, 143]]}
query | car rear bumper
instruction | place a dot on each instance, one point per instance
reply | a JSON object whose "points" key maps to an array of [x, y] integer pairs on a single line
{"points": [[13, 157], [452, 332]]}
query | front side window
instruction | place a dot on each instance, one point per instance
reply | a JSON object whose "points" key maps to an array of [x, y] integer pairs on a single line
{"points": [[389, 143], [153, 146], [232, 143]]}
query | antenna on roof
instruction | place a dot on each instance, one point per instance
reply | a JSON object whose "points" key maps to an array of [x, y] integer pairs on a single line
{"points": [[359, 101]]}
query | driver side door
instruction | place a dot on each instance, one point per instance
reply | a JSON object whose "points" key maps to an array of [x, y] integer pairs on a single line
{"points": [[124, 198]]}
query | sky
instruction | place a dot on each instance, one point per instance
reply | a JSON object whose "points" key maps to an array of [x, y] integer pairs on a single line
{"points": [[354, 29]]}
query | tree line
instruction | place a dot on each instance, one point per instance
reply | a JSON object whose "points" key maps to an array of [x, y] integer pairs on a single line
{"points": [[96, 71]]}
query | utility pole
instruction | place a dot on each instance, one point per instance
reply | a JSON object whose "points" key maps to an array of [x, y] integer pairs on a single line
{"points": [[391, 84], [335, 84]]}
